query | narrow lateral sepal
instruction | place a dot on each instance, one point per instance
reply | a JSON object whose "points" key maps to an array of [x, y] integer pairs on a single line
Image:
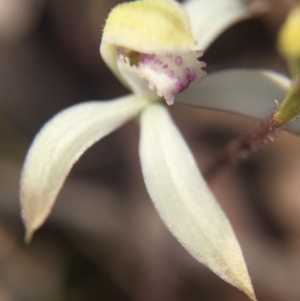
{"points": [[184, 201], [59, 144]]}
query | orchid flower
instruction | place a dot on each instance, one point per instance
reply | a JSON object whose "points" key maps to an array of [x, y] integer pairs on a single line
{"points": [[153, 47]]}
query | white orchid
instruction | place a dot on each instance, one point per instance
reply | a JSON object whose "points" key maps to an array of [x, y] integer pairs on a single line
{"points": [[153, 46]]}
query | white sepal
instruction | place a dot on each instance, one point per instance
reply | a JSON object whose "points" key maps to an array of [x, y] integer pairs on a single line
{"points": [[184, 201], [59, 145], [209, 18], [252, 93]]}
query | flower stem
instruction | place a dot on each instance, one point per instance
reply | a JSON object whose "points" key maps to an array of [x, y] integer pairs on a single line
{"points": [[242, 147]]}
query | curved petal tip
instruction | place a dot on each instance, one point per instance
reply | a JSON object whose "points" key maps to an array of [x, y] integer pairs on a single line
{"points": [[184, 201], [59, 145]]}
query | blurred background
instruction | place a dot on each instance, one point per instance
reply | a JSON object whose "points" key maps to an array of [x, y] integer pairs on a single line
{"points": [[104, 240]]}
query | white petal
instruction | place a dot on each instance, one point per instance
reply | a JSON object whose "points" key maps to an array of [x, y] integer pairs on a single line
{"points": [[59, 145], [209, 18], [184, 201], [252, 93]]}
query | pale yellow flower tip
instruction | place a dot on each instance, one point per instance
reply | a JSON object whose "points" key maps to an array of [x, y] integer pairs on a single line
{"points": [[148, 26], [149, 46], [289, 37]]}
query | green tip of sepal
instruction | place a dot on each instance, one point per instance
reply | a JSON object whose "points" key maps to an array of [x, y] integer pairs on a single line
{"points": [[28, 237], [289, 109]]}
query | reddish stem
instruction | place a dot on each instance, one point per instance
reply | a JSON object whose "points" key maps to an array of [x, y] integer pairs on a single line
{"points": [[242, 147]]}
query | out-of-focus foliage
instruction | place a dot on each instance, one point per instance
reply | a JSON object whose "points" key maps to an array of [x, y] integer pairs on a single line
{"points": [[289, 45], [289, 41]]}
